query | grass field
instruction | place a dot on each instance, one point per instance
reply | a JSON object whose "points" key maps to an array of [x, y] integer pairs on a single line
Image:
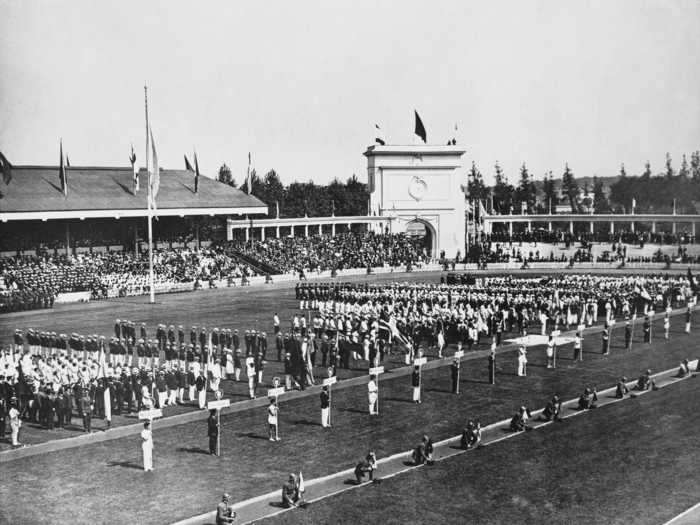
{"points": [[631, 462], [78, 484]]}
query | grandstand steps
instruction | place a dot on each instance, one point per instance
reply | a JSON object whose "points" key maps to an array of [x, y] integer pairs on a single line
{"points": [[259, 267]]}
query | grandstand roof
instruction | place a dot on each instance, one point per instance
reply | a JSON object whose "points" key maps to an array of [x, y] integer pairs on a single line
{"points": [[34, 192]]}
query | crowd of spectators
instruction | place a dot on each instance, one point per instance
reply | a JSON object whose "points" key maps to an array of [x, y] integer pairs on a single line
{"points": [[30, 282], [557, 236], [326, 252]]}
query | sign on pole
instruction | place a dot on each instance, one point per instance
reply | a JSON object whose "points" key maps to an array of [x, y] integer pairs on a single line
{"points": [[420, 361], [459, 354], [275, 392], [218, 405], [376, 370], [150, 414], [330, 381]]}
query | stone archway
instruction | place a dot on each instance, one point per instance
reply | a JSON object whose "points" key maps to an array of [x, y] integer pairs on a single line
{"points": [[425, 232]]}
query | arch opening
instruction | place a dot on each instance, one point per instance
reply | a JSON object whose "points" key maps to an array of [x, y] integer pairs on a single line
{"points": [[424, 234]]}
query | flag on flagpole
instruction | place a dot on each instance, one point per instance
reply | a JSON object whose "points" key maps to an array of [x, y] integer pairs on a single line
{"points": [[62, 174], [6, 169], [379, 135], [102, 366], [301, 487], [277, 206], [188, 166], [247, 178], [420, 129], [67, 162], [453, 141], [196, 173], [693, 283], [390, 331], [154, 174], [482, 209], [134, 169]]}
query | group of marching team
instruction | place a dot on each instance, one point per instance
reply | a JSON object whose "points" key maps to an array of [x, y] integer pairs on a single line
{"points": [[437, 315]]}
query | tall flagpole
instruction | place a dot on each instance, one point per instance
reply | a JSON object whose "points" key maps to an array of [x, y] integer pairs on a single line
{"points": [[150, 213]]}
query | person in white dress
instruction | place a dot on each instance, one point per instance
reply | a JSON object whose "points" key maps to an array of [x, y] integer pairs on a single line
{"points": [[522, 361], [372, 391], [147, 447]]}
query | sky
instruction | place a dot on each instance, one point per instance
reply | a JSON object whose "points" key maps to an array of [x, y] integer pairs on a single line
{"points": [[301, 84]]}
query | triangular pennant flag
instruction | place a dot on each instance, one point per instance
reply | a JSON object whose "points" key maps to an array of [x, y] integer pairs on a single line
{"points": [[188, 166], [62, 174], [420, 129], [196, 173], [135, 178], [6, 169]]}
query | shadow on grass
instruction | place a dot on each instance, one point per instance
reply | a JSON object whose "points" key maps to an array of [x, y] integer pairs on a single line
{"points": [[353, 410], [399, 399], [125, 464], [439, 390], [305, 422], [252, 435], [475, 381], [193, 450]]}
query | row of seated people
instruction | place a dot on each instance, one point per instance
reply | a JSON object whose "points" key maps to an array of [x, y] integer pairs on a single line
{"points": [[29, 282], [326, 252], [564, 236]]}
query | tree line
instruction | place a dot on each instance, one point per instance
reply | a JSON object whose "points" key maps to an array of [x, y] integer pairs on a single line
{"points": [[664, 192], [300, 199]]}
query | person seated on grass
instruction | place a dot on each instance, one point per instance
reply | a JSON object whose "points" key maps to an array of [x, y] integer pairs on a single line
{"points": [[366, 466], [423, 453], [519, 421], [684, 369], [471, 435], [224, 512], [645, 382], [588, 399], [621, 389], [552, 410], [290, 493]]}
